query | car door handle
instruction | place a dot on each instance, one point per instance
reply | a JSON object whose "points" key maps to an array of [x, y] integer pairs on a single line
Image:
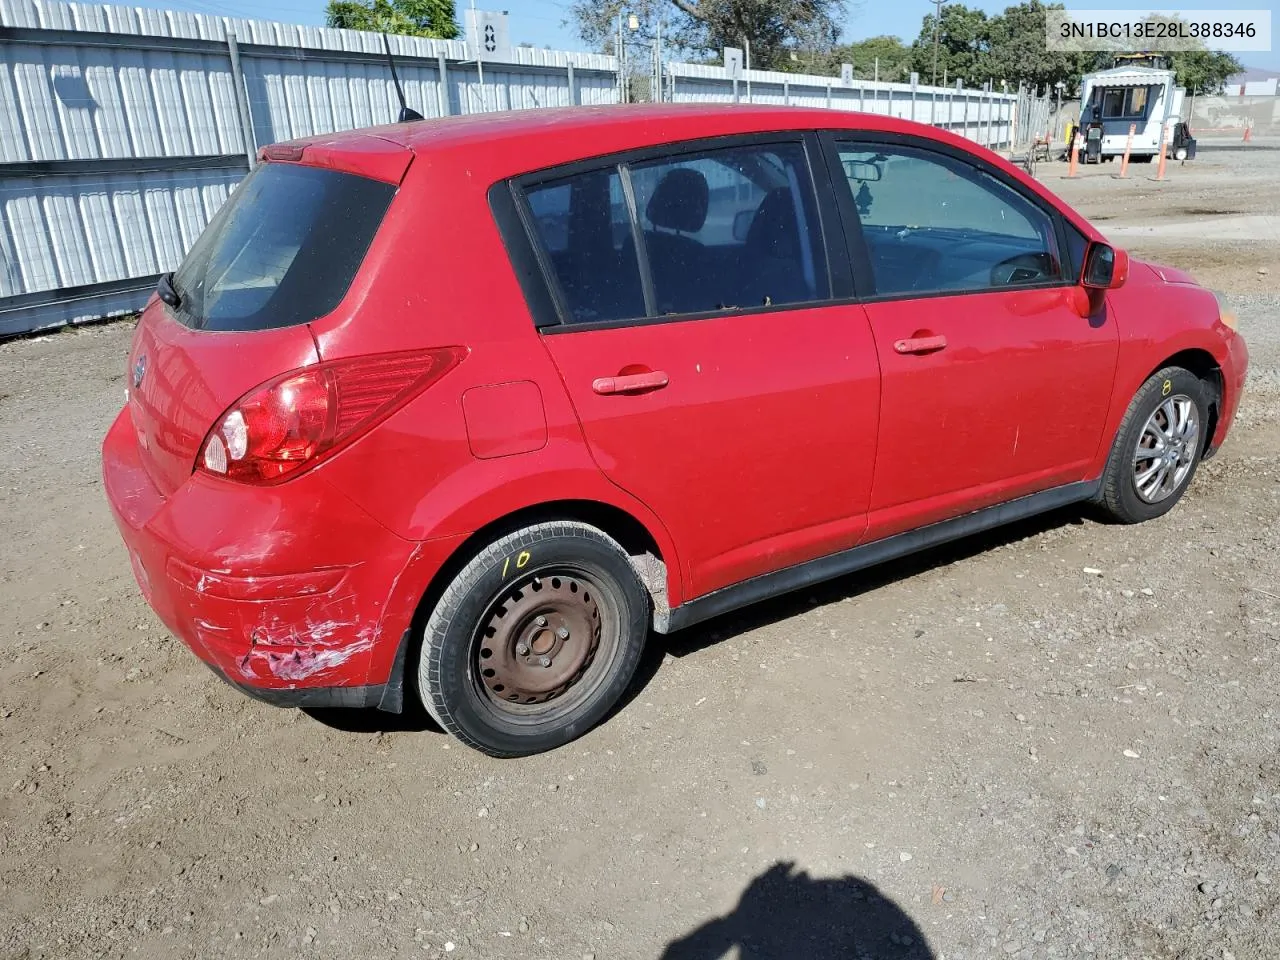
{"points": [[630, 383], [920, 344]]}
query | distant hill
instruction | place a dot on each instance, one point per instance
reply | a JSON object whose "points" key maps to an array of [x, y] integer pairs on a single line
{"points": [[1249, 75]]}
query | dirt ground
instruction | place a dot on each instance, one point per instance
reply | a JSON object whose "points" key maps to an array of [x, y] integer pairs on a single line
{"points": [[1057, 740]]}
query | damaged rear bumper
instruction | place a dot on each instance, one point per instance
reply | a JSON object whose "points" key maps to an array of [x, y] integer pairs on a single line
{"points": [[292, 594], [387, 696]]}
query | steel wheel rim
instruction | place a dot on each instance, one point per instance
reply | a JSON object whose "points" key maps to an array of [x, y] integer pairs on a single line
{"points": [[1166, 449], [560, 614]]}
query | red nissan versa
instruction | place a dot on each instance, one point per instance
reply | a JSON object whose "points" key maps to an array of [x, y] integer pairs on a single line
{"points": [[473, 404]]}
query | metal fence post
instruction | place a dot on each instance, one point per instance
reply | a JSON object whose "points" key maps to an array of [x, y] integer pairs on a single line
{"points": [[242, 102], [786, 93], [828, 95], [735, 89], [573, 87], [443, 95]]}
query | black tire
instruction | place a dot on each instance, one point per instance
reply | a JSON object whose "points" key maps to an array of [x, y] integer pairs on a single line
{"points": [[1119, 496], [569, 572]]}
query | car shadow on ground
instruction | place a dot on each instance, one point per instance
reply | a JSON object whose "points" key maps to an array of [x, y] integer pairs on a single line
{"points": [[785, 914], [730, 625], [415, 718]]}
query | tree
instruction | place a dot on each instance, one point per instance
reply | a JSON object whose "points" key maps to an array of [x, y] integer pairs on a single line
{"points": [[962, 46], [418, 18], [1016, 50], [1009, 46], [885, 56], [1203, 71], [774, 28]]}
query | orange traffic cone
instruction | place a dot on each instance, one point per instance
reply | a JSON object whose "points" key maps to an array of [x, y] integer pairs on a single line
{"points": [[1124, 162]]}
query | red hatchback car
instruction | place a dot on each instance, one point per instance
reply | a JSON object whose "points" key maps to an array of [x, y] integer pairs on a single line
{"points": [[472, 405]]}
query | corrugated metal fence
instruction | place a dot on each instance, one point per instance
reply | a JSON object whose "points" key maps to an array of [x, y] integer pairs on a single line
{"points": [[984, 117], [122, 130]]}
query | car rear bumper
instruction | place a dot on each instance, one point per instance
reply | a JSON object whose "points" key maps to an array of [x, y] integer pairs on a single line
{"points": [[293, 594]]}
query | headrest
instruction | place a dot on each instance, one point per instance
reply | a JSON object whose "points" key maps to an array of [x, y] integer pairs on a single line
{"points": [[773, 228], [680, 202]]}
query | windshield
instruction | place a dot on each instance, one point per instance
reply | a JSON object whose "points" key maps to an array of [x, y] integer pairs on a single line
{"points": [[282, 250]]}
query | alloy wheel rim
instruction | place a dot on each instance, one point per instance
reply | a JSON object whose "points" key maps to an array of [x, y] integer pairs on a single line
{"points": [[1166, 449]]}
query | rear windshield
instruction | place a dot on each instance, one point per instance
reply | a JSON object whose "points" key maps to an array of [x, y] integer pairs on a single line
{"points": [[282, 250]]}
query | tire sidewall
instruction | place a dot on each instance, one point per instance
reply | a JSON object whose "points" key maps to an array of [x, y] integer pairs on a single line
{"points": [[1148, 399], [446, 673]]}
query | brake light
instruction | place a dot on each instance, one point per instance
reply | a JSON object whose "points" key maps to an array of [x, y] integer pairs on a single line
{"points": [[295, 420], [282, 151]]}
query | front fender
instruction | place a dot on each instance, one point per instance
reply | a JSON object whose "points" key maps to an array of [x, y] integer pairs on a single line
{"points": [[1157, 321]]}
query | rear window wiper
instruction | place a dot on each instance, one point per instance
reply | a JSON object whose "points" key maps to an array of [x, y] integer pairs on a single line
{"points": [[167, 291]]}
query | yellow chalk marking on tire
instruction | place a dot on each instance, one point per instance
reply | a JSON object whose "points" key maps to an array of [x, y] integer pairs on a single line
{"points": [[1167, 388], [522, 560]]}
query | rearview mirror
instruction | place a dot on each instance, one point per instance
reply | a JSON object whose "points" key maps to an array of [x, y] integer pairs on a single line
{"points": [[859, 170], [1105, 267]]}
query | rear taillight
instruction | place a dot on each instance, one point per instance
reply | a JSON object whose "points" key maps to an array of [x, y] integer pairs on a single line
{"points": [[295, 420]]}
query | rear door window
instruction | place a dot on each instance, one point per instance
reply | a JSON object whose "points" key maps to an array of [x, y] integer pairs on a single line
{"points": [[728, 229], [584, 230], [283, 249]]}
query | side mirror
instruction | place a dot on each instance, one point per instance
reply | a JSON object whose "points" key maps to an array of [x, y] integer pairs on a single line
{"points": [[1105, 267], [742, 224]]}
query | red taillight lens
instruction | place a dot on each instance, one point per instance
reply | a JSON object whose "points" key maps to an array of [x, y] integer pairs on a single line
{"points": [[293, 421]]}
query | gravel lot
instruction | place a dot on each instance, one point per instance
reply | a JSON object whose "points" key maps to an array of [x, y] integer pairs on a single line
{"points": [[1057, 740]]}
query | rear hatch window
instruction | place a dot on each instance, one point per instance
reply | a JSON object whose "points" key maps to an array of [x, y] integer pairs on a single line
{"points": [[282, 251]]}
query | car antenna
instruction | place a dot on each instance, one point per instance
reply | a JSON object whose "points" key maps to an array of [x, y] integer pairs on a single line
{"points": [[406, 114]]}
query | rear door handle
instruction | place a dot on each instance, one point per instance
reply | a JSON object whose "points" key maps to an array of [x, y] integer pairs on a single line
{"points": [[920, 344], [630, 383]]}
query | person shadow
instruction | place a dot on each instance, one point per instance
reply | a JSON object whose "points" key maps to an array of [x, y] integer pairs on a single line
{"points": [[785, 914]]}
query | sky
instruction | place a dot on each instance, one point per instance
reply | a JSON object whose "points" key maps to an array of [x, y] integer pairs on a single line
{"points": [[540, 21]]}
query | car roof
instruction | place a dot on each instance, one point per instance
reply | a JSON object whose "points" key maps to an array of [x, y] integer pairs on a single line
{"points": [[511, 142], [488, 147], [647, 123]]}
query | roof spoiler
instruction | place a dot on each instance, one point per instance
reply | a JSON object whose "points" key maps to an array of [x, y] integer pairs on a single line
{"points": [[406, 113]]}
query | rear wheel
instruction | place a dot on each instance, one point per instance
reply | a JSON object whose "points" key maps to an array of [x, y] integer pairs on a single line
{"points": [[535, 639], [1157, 447]]}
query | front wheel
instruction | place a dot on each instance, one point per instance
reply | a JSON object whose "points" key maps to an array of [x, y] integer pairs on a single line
{"points": [[535, 640], [1157, 447]]}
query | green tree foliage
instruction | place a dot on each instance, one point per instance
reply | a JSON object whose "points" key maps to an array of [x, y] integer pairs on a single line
{"points": [[1009, 46], [417, 18], [1202, 71], [962, 41], [776, 29], [1016, 50], [883, 56]]}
